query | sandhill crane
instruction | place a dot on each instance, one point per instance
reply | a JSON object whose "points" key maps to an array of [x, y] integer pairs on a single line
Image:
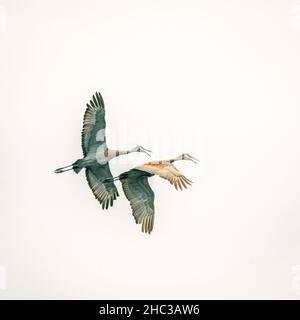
{"points": [[97, 154], [139, 193]]}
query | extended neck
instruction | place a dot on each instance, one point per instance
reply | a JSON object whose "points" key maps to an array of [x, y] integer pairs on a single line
{"points": [[173, 160], [117, 153]]}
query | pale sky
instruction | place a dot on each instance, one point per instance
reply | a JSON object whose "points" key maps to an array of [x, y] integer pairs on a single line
{"points": [[216, 79]]}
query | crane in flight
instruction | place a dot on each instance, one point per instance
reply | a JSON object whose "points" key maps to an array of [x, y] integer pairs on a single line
{"points": [[96, 154], [139, 193]]}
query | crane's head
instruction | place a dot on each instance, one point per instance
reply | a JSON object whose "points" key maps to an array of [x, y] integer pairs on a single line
{"points": [[186, 156], [141, 149]]}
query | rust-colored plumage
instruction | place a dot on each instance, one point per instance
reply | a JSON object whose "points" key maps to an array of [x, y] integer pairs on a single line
{"points": [[166, 170]]}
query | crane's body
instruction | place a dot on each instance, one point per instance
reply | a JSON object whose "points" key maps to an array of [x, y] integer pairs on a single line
{"points": [[139, 193], [96, 153]]}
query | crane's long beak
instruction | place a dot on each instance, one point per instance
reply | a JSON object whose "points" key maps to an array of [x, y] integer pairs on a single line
{"points": [[194, 160], [146, 151]]}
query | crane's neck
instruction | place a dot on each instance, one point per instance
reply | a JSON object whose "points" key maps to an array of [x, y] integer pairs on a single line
{"points": [[175, 159], [116, 153], [104, 154]]}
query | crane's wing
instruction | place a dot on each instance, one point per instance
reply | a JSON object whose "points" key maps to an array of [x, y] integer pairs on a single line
{"points": [[168, 171], [174, 176], [106, 192], [93, 132], [141, 197]]}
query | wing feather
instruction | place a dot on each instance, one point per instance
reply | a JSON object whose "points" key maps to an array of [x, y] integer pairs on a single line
{"points": [[168, 171], [93, 121], [106, 192], [141, 197]]}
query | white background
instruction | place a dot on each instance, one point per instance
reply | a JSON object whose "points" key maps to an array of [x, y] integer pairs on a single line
{"points": [[217, 79]]}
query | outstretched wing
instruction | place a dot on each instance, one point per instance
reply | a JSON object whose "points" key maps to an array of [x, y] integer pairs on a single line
{"points": [[168, 171], [106, 192], [93, 132], [174, 176], [141, 197]]}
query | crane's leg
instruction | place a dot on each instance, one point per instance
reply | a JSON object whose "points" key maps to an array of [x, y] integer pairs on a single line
{"points": [[111, 179], [76, 166], [64, 169]]}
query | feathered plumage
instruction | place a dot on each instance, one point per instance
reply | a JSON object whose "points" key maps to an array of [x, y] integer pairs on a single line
{"points": [[139, 193], [96, 153]]}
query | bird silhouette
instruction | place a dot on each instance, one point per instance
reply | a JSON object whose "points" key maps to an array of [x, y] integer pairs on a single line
{"points": [[96, 153], [139, 193]]}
